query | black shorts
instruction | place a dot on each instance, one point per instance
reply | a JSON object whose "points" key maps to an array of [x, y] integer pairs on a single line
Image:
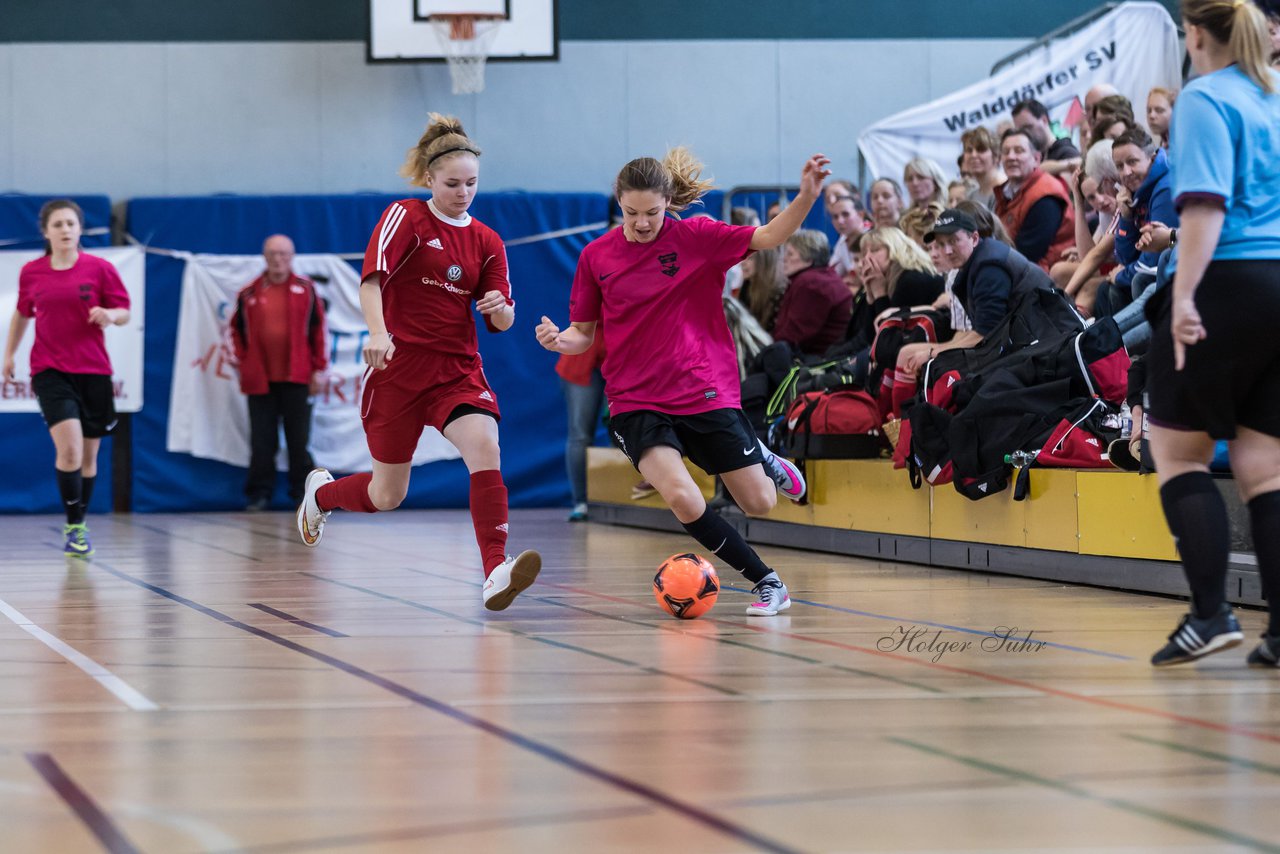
{"points": [[88, 398], [717, 441], [1232, 378]]}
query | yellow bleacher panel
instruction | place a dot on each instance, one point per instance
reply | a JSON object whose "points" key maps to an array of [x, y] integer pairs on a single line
{"points": [[1051, 510], [1120, 515], [998, 520], [867, 495]]}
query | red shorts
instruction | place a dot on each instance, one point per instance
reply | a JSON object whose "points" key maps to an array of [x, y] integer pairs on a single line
{"points": [[418, 388]]}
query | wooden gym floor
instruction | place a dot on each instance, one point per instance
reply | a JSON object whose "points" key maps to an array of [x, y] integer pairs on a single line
{"points": [[208, 684]]}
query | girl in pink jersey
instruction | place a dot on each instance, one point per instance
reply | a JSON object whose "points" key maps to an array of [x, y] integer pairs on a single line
{"points": [[73, 296], [671, 373], [427, 263]]}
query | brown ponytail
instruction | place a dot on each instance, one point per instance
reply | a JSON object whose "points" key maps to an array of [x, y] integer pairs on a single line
{"points": [[1242, 27], [443, 138], [677, 178]]}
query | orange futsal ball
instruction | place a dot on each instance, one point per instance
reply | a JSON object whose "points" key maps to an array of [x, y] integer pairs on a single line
{"points": [[686, 586]]}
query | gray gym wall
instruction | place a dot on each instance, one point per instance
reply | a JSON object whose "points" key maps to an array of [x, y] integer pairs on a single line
{"points": [[146, 97]]}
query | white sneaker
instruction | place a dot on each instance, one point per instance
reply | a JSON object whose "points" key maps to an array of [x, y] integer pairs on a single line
{"points": [[783, 473], [509, 578], [310, 517], [772, 597]]}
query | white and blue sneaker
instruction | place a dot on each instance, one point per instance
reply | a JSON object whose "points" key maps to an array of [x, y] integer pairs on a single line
{"points": [[771, 597]]}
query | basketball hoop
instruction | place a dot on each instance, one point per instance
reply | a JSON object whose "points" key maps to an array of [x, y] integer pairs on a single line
{"points": [[465, 39]]}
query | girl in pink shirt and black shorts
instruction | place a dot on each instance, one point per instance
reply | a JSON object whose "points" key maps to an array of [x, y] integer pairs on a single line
{"points": [[671, 372], [73, 296]]}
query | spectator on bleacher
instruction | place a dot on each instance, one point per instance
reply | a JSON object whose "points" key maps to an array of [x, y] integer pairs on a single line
{"points": [[1110, 127], [1214, 362], [763, 284], [1109, 105], [896, 272], [1159, 112], [815, 308], [848, 218], [583, 387], [918, 220], [775, 208], [737, 216], [982, 163], [925, 183], [1145, 196], [836, 190], [989, 227], [72, 296], [990, 274], [1032, 204], [886, 202], [1097, 186], [282, 351], [1061, 156], [961, 189]]}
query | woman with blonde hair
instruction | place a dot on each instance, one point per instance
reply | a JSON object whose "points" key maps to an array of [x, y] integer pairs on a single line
{"points": [[1096, 186], [671, 373], [917, 221], [428, 263], [925, 183], [896, 273]]}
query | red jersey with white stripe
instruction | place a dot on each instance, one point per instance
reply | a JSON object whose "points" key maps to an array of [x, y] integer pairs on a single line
{"points": [[434, 268]]}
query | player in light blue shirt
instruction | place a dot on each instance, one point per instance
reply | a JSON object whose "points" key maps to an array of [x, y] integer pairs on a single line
{"points": [[1214, 362]]}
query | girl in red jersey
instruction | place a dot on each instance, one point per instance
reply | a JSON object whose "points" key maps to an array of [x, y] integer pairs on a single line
{"points": [[73, 296], [671, 373], [427, 263]]}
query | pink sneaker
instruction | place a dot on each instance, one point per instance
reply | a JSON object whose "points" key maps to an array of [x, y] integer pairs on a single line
{"points": [[784, 473]]}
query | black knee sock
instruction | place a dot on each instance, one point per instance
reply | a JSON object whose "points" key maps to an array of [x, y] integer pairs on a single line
{"points": [[86, 493], [724, 540], [1198, 519], [70, 485], [1264, 517]]}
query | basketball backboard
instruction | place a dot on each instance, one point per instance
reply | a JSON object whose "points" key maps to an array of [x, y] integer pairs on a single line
{"points": [[402, 30]]}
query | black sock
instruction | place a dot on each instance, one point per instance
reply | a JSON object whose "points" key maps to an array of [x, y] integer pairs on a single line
{"points": [[724, 540], [86, 493], [70, 484], [1197, 517], [1264, 516]]}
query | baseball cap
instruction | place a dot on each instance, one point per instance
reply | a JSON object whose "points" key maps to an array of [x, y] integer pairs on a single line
{"points": [[949, 222]]}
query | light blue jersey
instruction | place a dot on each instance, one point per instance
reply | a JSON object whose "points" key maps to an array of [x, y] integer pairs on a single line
{"points": [[1225, 144]]}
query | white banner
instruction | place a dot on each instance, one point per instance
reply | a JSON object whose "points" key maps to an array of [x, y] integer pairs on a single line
{"points": [[124, 343], [1134, 48], [209, 417]]}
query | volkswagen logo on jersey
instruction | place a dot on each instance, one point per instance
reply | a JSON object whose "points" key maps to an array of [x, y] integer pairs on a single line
{"points": [[454, 273]]}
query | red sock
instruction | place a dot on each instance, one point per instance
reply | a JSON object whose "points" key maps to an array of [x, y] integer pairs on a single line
{"points": [[489, 516], [348, 493]]}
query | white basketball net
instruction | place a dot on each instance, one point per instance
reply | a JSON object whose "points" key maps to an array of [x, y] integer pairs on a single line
{"points": [[465, 40]]}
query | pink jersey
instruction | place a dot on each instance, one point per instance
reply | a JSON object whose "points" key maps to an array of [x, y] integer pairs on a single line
{"points": [[669, 344], [433, 269], [60, 300]]}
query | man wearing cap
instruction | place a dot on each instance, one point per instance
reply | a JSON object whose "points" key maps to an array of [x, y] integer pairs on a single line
{"points": [[990, 274]]}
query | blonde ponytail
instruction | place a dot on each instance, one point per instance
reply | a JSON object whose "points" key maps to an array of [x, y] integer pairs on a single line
{"points": [[444, 137], [1241, 26]]}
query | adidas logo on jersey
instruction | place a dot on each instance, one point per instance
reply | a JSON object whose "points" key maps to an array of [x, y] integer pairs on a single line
{"points": [[434, 243], [484, 395], [502, 528]]}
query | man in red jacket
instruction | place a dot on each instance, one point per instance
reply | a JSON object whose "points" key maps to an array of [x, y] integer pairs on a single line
{"points": [[280, 341]]}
